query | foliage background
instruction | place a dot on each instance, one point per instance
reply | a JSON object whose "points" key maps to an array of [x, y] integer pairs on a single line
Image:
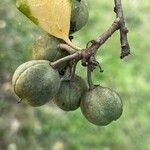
{"points": [[48, 128]]}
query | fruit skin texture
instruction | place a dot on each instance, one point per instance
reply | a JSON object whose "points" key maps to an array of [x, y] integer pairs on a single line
{"points": [[36, 82], [79, 15], [101, 106], [70, 93], [46, 48]]}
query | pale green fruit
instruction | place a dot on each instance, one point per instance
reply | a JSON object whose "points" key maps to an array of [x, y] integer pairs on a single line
{"points": [[70, 93], [36, 82], [101, 106], [79, 15], [46, 48]]}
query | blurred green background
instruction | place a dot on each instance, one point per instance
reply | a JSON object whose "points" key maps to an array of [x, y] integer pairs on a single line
{"points": [[49, 128]]}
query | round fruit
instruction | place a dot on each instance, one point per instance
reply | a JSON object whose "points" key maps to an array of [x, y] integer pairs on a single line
{"points": [[79, 15], [101, 106], [46, 48], [36, 82], [70, 93]]}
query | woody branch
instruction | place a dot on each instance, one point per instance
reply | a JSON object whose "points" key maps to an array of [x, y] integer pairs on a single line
{"points": [[87, 53]]}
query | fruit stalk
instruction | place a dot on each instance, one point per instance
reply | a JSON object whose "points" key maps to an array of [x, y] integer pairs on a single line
{"points": [[89, 78]]}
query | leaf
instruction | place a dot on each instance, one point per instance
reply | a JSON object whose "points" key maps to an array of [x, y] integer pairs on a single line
{"points": [[51, 15]]}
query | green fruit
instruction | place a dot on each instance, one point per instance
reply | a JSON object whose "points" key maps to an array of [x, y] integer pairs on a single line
{"points": [[79, 15], [101, 106], [36, 82], [70, 93], [46, 48]]}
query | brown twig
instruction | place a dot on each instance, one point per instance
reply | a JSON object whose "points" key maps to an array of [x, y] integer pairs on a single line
{"points": [[88, 52], [85, 54], [73, 69], [67, 48], [56, 63], [89, 77], [125, 48]]}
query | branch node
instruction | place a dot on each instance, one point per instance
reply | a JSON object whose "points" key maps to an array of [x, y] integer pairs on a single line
{"points": [[90, 42]]}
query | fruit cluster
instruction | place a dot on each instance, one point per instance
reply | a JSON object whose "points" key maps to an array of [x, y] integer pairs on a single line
{"points": [[36, 82]]}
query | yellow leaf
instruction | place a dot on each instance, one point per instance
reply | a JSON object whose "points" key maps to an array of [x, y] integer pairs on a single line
{"points": [[53, 16]]}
